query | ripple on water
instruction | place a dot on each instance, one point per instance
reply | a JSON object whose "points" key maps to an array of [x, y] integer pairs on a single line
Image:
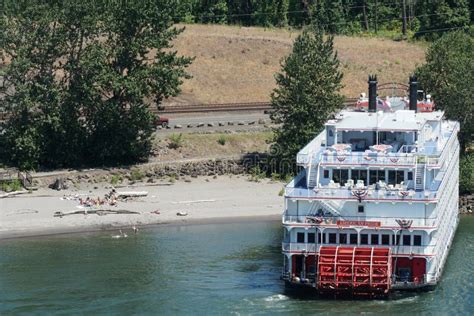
{"points": [[276, 298], [204, 269]]}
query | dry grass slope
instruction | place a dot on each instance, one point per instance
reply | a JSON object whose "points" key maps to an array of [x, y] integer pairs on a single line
{"points": [[216, 145], [237, 64]]}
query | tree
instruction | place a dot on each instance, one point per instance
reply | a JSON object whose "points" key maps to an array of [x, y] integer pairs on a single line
{"points": [[213, 11], [134, 64], [79, 79], [449, 76], [307, 92], [442, 15], [466, 174]]}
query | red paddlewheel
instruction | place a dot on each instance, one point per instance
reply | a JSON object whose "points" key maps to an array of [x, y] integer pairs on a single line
{"points": [[360, 270]]}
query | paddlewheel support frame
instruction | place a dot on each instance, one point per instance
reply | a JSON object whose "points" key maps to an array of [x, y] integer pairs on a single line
{"points": [[354, 270]]}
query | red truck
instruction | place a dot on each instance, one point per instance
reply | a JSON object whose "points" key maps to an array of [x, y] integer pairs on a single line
{"points": [[161, 121]]}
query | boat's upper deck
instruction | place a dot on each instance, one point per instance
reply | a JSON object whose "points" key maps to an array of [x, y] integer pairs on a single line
{"points": [[381, 138]]}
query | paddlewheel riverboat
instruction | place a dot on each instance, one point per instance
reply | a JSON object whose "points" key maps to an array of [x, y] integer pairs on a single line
{"points": [[375, 205]]}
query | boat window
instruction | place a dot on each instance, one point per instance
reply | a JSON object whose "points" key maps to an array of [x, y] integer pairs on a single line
{"points": [[395, 177], [300, 237], [344, 175], [399, 176], [396, 240], [417, 240], [363, 176], [358, 174], [319, 238], [311, 238], [391, 177], [360, 208], [380, 175], [406, 240], [340, 176], [353, 239], [332, 238], [410, 176], [364, 239], [385, 239], [343, 238], [326, 174], [374, 239], [373, 176]]}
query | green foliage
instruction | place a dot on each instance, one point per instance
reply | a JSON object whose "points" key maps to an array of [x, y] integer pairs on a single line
{"points": [[136, 175], [427, 17], [116, 179], [281, 192], [443, 15], [79, 77], [11, 186], [256, 174], [283, 177], [466, 174], [449, 76], [307, 93], [213, 11], [222, 140], [175, 141]]}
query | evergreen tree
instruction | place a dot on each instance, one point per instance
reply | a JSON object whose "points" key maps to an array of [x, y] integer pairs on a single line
{"points": [[441, 16], [449, 75], [281, 9], [307, 92], [213, 11]]}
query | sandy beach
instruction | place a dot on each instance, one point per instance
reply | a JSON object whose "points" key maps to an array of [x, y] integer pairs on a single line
{"points": [[203, 200]]}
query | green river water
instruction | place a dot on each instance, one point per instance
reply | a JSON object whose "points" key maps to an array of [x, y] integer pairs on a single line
{"points": [[200, 269]]}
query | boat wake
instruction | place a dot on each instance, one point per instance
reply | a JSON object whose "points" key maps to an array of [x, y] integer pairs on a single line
{"points": [[276, 298]]}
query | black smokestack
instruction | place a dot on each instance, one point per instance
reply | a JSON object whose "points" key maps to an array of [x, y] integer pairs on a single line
{"points": [[413, 93], [372, 93]]}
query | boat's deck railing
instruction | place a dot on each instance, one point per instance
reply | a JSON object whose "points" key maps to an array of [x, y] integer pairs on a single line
{"points": [[366, 193], [313, 247], [385, 221], [362, 158], [408, 155]]}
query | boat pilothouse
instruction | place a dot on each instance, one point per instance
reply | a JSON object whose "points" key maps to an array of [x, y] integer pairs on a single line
{"points": [[375, 205]]}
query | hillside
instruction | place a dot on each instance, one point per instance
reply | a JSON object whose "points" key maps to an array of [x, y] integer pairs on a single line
{"points": [[237, 64]]}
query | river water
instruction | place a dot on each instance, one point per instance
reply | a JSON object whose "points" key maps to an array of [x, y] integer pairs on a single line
{"points": [[200, 269]]}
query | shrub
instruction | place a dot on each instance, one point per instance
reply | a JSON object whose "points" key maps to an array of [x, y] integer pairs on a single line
{"points": [[466, 174], [222, 140], [256, 174], [116, 179], [11, 186], [176, 141], [136, 175]]}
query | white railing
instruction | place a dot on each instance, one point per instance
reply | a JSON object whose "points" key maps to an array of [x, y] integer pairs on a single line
{"points": [[361, 158], [407, 155], [313, 247], [332, 220], [371, 194], [306, 155]]}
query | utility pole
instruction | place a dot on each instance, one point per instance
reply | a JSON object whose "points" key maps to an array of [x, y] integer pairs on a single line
{"points": [[376, 16], [365, 16], [404, 22]]}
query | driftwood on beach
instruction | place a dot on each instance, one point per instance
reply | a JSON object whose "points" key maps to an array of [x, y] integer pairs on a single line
{"points": [[99, 212], [124, 194], [9, 194]]}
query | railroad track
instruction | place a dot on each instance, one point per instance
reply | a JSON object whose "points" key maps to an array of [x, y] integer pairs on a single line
{"points": [[206, 108], [224, 107]]}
